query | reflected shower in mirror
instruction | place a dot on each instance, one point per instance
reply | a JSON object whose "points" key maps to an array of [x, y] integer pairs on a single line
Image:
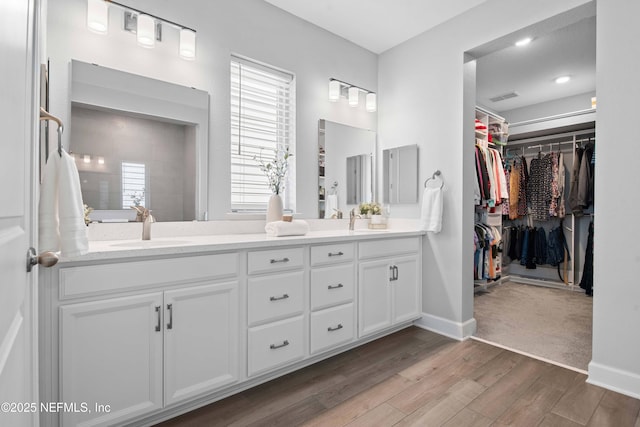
{"points": [[346, 173], [138, 141], [125, 161]]}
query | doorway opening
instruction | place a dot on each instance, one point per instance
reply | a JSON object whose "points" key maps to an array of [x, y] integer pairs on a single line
{"points": [[531, 295]]}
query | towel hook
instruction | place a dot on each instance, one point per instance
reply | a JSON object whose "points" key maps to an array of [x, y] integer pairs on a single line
{"points": [[437, 173], [45, 115]]}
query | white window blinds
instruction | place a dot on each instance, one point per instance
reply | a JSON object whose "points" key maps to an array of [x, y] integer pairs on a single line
{"points": [[262, 123]]}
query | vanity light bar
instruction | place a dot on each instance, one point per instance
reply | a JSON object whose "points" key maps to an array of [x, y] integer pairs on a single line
{"points": [[147, 29], [338, 88]]}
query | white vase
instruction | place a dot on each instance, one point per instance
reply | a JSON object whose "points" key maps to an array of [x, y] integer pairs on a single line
{"points": [[274, 208]]}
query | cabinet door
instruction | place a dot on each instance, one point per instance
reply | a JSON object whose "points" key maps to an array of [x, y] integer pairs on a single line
{"points": [[201, 340], [374, 307], [111, 354], [406, 289]]}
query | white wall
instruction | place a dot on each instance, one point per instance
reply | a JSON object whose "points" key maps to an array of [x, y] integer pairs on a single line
{"points": [[423, 101], [250, 28], [616, 302]]}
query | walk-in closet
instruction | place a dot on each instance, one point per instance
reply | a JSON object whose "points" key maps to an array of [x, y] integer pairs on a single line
{"points": [[535, 161]]}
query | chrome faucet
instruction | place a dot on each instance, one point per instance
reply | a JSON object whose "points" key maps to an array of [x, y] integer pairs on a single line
{"points": [[352, 218], [147, 220]]}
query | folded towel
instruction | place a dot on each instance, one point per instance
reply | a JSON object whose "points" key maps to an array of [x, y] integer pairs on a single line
{"points": [[61, 210], [331, 206], [48, 233], [73, 230], [431, 216], [297, 227]]}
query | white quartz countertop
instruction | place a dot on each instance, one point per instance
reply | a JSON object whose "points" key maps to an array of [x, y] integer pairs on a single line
{"points": [[182, 245]]}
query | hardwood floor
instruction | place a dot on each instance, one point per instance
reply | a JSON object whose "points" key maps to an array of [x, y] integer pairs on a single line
{"points": [[418, 378]]}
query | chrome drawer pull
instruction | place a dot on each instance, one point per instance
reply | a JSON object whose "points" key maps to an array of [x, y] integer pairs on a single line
{"points": [[170, 308], [331, 329], [158, 325], [285, 296], [338, 286], [276, 346], [273, 261], [336, 253]]}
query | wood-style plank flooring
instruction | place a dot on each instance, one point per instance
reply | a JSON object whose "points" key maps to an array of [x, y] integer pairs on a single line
{"points": [[418, 378]]}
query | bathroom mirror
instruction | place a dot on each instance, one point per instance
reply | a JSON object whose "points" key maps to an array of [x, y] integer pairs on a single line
{"points": [[346, 171], [400, 175], [138, 141]]}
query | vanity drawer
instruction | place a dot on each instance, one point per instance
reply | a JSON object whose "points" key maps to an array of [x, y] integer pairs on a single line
{"points": [[106, 278], [331, 254], [275, 296], [331, 327], [275, 344], [275, 260], [332, 285], [388, 247]]}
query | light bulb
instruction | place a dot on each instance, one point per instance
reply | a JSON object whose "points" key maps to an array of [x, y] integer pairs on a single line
{"points": [[98, 16], [187, 44], [146, 32], [334, 90], [371, 102], [353, 96]]}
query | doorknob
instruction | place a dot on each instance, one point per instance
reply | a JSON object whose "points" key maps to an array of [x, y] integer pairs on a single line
{"points": [[45, 259]]}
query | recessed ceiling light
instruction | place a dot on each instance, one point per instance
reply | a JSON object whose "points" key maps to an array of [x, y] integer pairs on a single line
{"points": [[523, 42], [562, 79]]}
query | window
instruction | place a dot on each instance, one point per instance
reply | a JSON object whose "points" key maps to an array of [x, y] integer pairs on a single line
{"points": [[133, 185], [262, 124]]}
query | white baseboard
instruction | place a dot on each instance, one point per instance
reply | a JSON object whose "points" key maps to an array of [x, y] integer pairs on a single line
{"points": [[614, 379], [457, 330]]}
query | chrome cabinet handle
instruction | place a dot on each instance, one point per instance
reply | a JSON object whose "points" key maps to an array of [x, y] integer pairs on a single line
{"points": [[159, 324], [284, 296], [395, 272], [391, 279], [273, 261], [170, 308], [276, 346], [338, 286], [336, 328], [335, 253]]}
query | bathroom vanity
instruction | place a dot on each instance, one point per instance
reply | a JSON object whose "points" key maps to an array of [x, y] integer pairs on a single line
{"points": [[136, 332]]}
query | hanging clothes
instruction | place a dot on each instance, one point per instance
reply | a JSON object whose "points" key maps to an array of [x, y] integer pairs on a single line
{"points": [[586, 282]]}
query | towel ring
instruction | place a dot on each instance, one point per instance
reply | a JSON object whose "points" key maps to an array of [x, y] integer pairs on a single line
{"points": [[437, 173], [45, 115]]}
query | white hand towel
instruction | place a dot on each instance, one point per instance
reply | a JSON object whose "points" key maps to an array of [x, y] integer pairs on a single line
{"points": [[331, 205], [61, 210], [297, 227], [49, 236], [431, 216], [73, 230]]}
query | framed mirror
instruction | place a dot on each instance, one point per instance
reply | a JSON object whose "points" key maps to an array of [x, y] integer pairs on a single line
{"points": [[400, 175], [138, 142], [346, 168]]}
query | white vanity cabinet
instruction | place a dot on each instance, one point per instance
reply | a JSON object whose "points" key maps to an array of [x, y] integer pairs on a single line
{"points": [[140, 339], [389, 283], [332, 288], [137, 351]]}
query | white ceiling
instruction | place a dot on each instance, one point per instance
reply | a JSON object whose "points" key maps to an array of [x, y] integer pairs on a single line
{"points": [[378, 25], [531, 70]]}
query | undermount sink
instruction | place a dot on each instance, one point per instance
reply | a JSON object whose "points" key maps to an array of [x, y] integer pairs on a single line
{"points": [[150, 243]]}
